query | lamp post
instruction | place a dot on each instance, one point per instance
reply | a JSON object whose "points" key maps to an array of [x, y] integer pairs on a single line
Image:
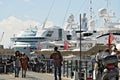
{"points": [[80, 51]]}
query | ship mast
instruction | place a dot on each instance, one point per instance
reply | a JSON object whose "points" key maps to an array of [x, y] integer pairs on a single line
{"points": [[91, 22], [91, 10]]}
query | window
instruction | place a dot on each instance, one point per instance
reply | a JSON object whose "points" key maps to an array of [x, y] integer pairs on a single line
{"points": [[49, 34]]}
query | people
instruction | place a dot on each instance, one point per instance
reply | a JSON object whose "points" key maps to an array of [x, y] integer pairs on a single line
{"points": [[97, 59], [57, 61], [17, 63], [105, 53], [24, 64], [100, 55], [114, 50]]}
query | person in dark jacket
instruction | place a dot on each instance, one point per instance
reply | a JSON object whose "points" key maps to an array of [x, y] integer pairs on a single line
{"points": [[57, 60], [24, 64]]}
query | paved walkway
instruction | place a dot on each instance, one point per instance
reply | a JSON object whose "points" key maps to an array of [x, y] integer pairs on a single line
{"points": [[30, 76], [33, 76]]}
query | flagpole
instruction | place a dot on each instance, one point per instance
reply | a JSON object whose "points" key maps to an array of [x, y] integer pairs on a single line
{"points": [[80, 52], [109, 41], [111, 38]]}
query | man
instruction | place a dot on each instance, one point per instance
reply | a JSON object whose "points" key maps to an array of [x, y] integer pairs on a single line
{"points": [[57, 60]]}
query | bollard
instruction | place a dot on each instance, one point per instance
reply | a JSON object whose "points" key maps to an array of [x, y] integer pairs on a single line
{"points": [[94, 75], [5, 69]]}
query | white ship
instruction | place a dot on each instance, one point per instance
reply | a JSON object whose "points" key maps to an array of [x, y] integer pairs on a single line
{"points": [[72, 38], [29, 39], [34, 39]]}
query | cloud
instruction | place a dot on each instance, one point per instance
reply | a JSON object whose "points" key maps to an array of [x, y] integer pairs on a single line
{"points": [[13, 25]]}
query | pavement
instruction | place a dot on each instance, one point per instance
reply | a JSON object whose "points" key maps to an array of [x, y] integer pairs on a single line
{"points": [[30, 76], [33, 76]]}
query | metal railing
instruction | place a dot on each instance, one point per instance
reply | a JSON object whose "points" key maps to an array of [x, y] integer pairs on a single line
{"points": [[69, 67]]}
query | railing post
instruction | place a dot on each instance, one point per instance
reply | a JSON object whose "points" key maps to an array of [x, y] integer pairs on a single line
{"points": [[71, 68], [67, 68], [64, 68], [86, 68]]}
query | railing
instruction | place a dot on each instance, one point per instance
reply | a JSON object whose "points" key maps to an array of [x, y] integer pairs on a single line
{"points": [[70, 68]]}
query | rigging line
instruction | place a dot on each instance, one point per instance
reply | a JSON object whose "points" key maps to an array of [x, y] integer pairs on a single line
{"points": [[50, 8], [80, 7], [1, 37], [66, 12], [48, 14]]}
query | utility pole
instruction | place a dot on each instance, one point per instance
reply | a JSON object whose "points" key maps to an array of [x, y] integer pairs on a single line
{"points": [[80, 52]]}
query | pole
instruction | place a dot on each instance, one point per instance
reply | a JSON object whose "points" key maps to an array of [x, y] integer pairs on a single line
{"points": [[80, 52]]}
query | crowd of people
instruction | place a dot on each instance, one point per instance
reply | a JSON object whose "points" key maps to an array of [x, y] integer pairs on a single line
{"points": [[21, 63], [102, 54]]}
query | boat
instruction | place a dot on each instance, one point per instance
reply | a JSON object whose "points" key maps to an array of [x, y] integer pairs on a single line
{"points": [[72, 38], [29, 40], [45, 39], [108, 28]]}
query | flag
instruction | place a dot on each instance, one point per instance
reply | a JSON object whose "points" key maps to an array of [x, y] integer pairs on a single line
{"points": [[39, 46], [66, 44], [111, 38]]}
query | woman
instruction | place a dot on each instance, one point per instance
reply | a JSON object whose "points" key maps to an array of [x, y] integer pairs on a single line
{"points": [[17, 63], [24, 64]]}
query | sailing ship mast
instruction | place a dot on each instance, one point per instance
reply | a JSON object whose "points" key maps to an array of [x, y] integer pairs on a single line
{"points": [[91, 22]]}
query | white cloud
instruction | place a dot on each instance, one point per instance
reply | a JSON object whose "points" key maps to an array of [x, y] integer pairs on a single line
{"points": [[13, 25]]}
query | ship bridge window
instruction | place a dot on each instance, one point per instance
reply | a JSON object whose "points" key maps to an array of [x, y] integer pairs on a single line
{"points": [[69, 37], [79, 31], [49, 34], [87, 34]]}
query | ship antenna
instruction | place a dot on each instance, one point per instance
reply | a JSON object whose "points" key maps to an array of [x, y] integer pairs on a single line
{"points": [[108, 17]]}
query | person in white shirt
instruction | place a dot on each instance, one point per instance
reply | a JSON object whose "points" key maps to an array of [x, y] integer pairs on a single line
{"points": [[114, 52]]}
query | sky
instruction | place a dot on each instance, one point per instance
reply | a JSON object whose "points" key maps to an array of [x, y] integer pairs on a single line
{"points": [[17, 15]]}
